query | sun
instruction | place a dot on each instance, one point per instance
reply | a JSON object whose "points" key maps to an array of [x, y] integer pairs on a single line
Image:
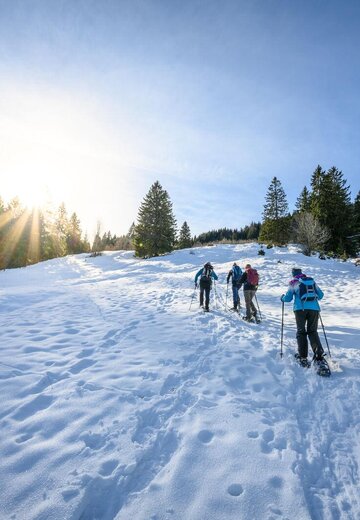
{"points": [[33, 193]]}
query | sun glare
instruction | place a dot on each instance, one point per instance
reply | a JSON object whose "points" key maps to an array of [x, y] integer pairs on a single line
{"points": [[33, 194]]}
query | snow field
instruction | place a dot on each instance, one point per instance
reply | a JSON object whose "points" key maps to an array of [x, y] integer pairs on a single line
{"points": [[118, 402]]}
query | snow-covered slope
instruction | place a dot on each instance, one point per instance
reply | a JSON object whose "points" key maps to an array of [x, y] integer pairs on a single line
{"points": [[118, 402]]}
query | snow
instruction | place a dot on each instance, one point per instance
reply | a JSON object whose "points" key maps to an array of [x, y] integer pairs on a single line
{"points": [[119, 402]]}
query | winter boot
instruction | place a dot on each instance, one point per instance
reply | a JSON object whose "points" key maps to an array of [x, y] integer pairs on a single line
{"points": [[303, 362]]}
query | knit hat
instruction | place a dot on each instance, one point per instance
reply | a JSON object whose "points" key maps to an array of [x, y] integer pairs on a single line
{"points": [[296, 271]]}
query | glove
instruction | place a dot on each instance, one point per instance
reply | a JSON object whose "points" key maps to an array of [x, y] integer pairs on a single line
{"points": [[227, 282], [282, 297], [196, 285]]}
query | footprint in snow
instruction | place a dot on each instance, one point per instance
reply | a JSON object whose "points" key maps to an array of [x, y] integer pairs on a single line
{"points": [[205, 436], [39, 403], [108, 467], [69, 494], [267, 438], [85, 353], [71, 331], [235, 490], [81, 365], [276, 482]]}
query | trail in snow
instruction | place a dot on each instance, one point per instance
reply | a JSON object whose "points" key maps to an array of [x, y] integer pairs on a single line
{"points": [[118, 402]]}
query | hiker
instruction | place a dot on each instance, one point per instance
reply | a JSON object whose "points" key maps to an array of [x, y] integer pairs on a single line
{"points": [[306, 294], [250, 280], [235, 273], [206, 274]]}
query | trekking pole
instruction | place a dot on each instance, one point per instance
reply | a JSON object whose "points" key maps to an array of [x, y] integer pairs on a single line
{"points": [[192, 297], [282, 329], [227, 291], [323, 328], [216, 298], [257, 303]]}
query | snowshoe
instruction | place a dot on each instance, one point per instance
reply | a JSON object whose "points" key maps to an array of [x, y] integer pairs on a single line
{"points": [[322, 367], [303, 362], [249, 320]]}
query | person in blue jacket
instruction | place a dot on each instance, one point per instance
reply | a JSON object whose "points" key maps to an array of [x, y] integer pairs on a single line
{"points": [[305, 293], [235, 274], [207, 275]]}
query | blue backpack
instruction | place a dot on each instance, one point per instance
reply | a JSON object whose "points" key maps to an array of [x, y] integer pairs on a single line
{"points": [[237, 272]]}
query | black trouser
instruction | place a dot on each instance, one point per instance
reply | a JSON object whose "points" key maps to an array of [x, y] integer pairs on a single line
{"points": [[307, 324], [205, 288]]}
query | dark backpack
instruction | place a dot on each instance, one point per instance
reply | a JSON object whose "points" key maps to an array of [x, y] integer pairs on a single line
{"points": [[307, 291], [252, 276], [205, 278]]}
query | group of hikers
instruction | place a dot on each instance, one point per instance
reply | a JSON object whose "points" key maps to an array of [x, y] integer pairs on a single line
{"points": [[249, 279], [302, 289]]}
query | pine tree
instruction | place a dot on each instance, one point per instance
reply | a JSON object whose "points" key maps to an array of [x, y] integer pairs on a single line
{"points": [[73, 239], [331, 205], [356, 214], [276, 220], [61, 230], [185, 236], [303, 202], [155, 232]]}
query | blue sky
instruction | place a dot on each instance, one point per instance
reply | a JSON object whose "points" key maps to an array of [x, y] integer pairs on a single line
{"points": [[98, 99]]}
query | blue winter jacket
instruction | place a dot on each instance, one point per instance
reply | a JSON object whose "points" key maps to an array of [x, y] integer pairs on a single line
{"points": [[293, 292], [200, 272]]}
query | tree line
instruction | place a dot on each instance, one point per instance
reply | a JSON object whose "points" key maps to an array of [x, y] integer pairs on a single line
{"points": [[29, 236], [248, 232], [324, 219]]}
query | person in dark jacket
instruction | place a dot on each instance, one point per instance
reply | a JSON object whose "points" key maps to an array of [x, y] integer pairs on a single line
{"points": [[235, 274], [206, 274], [249, 292], [306, 310]]}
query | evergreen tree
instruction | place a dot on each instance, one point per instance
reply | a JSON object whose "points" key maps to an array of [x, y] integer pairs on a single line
{"points": [[276, 220], [73, 239], [331, 205], [303, 202], [185, 236], [155, 232], [131, 232], [356, 214], [61, 230]]}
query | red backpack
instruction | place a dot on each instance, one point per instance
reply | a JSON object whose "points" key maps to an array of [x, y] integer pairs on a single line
{"points": [[252, 276]]}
